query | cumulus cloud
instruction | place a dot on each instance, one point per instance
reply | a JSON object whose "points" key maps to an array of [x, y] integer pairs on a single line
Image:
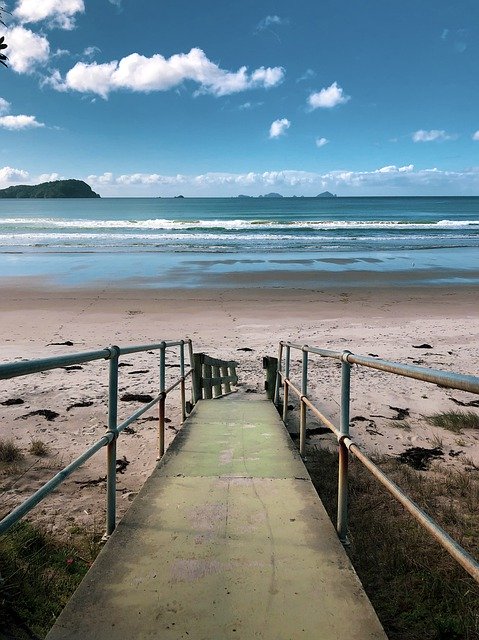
{"points": [[17, 123], [4, 106], [139, 73], [48, 177], [320, 142], [434, 135], [279, 127], [58, 13], [389, 179], [9, 175], [328, 97], [26, 49], [475, 136], [154, 178], [105, 178]]}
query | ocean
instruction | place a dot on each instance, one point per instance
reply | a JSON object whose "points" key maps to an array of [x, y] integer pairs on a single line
{"points": [[222, 242]]}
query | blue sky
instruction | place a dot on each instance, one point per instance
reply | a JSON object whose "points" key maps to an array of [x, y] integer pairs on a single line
{"points": [[141, 98]]}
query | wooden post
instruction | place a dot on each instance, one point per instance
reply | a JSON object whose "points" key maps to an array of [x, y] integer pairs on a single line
{"points": [[206, 382], [217, 387], [197, 376], [224, 374], [270, 364]]}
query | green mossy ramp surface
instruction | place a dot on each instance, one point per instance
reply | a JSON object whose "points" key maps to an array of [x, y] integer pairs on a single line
{"points": [[227, 539]]}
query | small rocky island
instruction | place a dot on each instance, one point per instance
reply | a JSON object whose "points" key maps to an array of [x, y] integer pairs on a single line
{"points": [[54, 189], [326, 194]]}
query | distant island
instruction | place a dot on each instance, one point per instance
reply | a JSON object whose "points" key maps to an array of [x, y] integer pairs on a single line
{"points": [[54, 189], [325, 194]]}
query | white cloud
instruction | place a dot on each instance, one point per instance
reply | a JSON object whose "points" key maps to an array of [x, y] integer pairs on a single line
{"points": [[59, 13], [386, 180], [247, 106], [59, 53], [320, 142], [392, 168], [475, 136], [117, 3], [269, 21], [10, 175], [137, 179], [139, 73], [267, 78], [279, 127], [4, 106], [17, 123], [105, 178], [91, 52], [328, 97], [48, 177], [434, 135], [26, 49]]}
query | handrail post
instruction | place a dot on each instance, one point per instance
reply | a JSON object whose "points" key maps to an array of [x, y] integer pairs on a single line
{"points": [[287, 359], [343, 454], [207, 374], [182, 383], [304, 392], [215, 372], [270, 365], [161, 404], [225, 374], [278, 377], [197, 361], [191, 358], [111, 447]]}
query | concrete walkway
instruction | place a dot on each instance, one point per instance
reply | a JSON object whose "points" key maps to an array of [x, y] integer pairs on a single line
{"points": [[226, 540]]}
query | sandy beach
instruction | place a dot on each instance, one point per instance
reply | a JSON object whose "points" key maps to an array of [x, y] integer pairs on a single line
{"points": [[388, 322]]}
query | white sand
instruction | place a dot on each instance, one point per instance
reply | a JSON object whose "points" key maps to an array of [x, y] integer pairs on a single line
{"points": [[378, 321]]}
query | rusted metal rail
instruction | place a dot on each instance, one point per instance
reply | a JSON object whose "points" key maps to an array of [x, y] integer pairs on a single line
{"points": [[112, 353], [347, 445]]}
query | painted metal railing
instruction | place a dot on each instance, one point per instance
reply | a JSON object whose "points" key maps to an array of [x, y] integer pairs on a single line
{"points": [[113, 353], [347, 445]]}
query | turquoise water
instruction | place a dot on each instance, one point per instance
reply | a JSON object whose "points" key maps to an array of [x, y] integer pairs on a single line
{"points": [[201, 242]]}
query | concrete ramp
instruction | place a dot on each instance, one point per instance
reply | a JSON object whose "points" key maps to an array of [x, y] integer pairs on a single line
{"points": [[227, 540]]}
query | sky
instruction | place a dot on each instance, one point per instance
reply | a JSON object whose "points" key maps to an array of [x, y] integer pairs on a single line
{"points": [[220, 98]]}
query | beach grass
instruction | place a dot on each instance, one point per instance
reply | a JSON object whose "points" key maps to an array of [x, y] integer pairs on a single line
{"points": [[9, 452], [39, 573], [417, 590], [38, 448], [454, 421]]}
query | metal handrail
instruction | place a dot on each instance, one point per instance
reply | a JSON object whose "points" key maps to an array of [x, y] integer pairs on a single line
{"points": [[347, 445], [112, 353]]}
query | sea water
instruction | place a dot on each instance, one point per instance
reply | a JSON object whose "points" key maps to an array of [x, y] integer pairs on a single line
{"points": [[211, 242]]}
